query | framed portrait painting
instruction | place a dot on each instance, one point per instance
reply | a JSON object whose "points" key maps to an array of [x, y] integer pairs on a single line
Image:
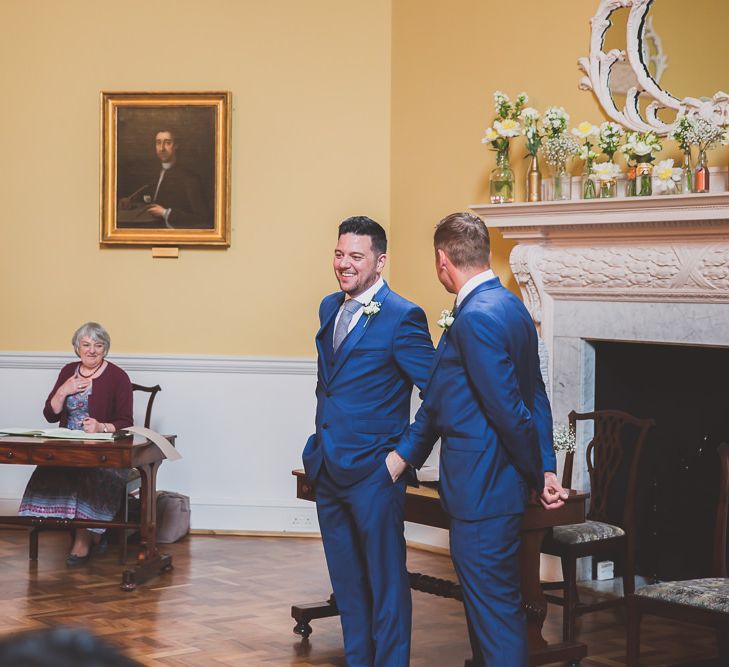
{"points": [[165, 169]]}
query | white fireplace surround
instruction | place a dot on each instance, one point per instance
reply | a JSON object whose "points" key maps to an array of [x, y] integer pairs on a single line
{"points": [[641, 269]]}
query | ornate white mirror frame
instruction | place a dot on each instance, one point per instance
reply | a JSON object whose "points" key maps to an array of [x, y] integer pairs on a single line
{"points": [[598, 67]]}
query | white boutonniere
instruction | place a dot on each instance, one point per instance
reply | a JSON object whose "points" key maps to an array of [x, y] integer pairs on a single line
{"points": [[372, 308], [446, 319]]}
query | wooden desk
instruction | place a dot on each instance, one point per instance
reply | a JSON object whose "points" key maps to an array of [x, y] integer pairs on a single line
{"points": [[422, 505], [132, 452]]}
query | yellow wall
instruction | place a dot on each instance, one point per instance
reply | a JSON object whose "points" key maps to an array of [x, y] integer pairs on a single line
{"points": [[448, 59], [310, 145], [340, 107]]}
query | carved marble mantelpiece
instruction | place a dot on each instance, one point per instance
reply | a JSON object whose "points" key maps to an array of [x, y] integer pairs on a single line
{"points": [[666, 248], [641, 269]]}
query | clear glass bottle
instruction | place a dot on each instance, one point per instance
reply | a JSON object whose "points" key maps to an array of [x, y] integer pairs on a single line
{"points": [[630, 182], [701, 173], [589, 188], [687, 175], [562, 186], [502, 179], [644, 179]]}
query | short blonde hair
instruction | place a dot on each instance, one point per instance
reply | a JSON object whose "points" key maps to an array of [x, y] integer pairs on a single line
{"points": [[95, 332]]}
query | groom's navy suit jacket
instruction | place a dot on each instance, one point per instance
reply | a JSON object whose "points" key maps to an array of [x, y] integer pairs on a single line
{"points": [[486, 399], [363, 391]]}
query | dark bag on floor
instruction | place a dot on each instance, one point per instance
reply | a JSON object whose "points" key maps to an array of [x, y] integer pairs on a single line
{"points": [[173, 516]]}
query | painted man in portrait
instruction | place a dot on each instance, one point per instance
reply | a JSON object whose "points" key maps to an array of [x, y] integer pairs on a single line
{"points": [[174, 197]]}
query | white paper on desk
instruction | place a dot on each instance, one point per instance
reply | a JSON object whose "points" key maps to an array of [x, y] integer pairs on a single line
{"points": [[171, 454], [428, 474], [62, 433]]}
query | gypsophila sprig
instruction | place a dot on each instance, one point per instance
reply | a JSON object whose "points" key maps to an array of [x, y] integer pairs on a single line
{"points": [[555, 121], [609, 138], [680, 132], [564, 439], [704, 134], [557, 150], [640, 146]]}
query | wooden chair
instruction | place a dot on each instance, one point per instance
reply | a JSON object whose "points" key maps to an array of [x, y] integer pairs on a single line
{"points": [[133, 483], [609, 450], [698, 601]]}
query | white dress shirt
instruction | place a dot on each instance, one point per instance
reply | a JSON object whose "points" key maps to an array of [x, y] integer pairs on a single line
{"points": [[472, 283]]}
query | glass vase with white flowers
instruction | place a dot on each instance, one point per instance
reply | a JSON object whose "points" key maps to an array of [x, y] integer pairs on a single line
{"points": [[638, 149], [532, 133], [705, 135], [587, 132], [608, 139], [666, 178], [680, 134], [557, 148], [506, 126]]}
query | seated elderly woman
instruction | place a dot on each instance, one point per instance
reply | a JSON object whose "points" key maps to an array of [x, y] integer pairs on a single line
{"points": [[95, 396]]}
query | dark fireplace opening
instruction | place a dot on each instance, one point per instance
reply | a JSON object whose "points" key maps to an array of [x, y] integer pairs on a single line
{"points": [[686, 390]]}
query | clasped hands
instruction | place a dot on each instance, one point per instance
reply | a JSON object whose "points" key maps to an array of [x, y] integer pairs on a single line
{"points": [[553, 495], [551, 498]]}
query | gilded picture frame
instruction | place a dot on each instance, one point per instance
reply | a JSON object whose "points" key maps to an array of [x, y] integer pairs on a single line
{"points": [[165, 169]]}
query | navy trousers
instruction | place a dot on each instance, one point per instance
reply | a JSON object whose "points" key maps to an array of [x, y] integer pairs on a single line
{"points": [[362, 531], [486, 557]]}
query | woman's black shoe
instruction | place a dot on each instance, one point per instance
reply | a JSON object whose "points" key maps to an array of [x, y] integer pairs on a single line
{"points": [[73, 560]]}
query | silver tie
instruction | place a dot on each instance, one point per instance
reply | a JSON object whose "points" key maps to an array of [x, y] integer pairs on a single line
{"points": [[340, 332]]}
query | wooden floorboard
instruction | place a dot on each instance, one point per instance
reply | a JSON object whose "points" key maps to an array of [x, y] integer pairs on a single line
{"points": [[227, 603]]}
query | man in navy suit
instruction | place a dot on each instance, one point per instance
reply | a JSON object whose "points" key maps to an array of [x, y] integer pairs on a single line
{"points": [[486, 398], [373, 346]]}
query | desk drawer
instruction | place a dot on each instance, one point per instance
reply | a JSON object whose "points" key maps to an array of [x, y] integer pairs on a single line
{"points": [[82, 457], [10, 454]]}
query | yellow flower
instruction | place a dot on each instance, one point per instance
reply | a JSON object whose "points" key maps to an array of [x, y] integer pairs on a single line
{"points": [[490, 135], [507, 127], [585, 129]]}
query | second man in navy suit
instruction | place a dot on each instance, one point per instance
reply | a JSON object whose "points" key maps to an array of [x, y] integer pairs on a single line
{"points": [[486, 398], [373, 346]]}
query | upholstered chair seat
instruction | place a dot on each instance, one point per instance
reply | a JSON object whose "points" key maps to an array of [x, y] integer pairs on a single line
{"points": [[711, 594], [590, 531], [696, 601]]}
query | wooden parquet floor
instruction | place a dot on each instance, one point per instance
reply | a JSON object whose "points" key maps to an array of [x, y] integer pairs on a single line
{"points": [[227, 603]]}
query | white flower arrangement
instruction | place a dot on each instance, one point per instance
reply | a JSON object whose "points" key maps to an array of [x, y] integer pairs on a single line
{"points": [[506, 125], [371, 309], [555, 121], [640, 146], [563, 439], [680, 132], [666, 177], [530, 118], [446, 319], [609, 138]]}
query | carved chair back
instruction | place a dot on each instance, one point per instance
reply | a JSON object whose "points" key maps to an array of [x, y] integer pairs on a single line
{"points": [[152, 391], [614, 447]]}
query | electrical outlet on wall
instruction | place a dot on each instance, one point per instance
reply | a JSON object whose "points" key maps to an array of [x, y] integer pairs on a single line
{"points": [[605, 570], [302, 521]]}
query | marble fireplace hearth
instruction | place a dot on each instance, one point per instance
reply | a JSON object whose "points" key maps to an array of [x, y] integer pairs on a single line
{"points": [[641, 270]]}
